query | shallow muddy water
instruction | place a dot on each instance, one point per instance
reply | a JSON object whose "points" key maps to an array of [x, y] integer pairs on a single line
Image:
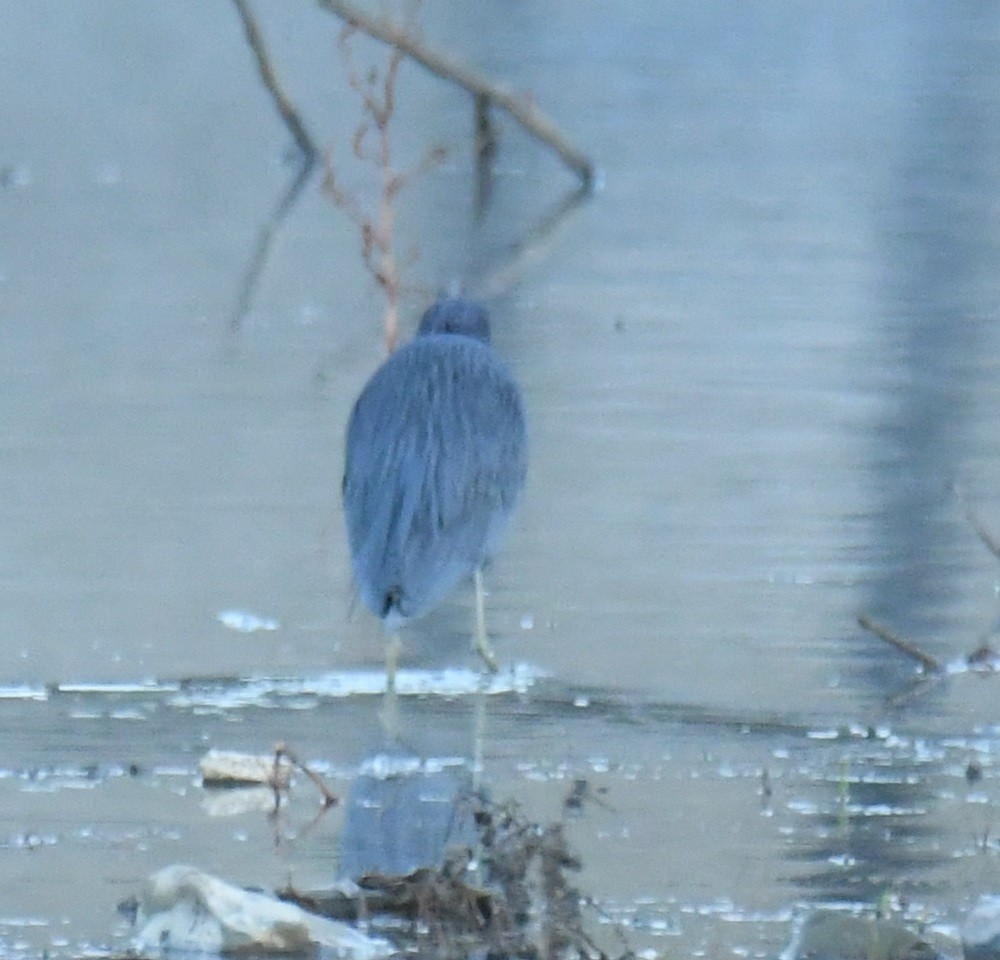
{"points": [[762, 367]]}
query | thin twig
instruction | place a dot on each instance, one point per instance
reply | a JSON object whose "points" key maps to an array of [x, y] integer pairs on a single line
{"points": [[929, 663], [284, 106], [522, 109], [283, 750], [992, 544], [372, 144]]}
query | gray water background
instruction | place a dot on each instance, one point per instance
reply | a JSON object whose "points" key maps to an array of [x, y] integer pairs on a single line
{"points": [[757, 362]]}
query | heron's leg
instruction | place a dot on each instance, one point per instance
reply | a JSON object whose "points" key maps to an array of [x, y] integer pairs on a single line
{"points": [[390, 707], [392, 651], [482, 644]]}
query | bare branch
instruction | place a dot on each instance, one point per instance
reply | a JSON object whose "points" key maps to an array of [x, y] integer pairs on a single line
{"points": [[341, 198], [359, 141], [929, 663], [389, 85], [522, 109], [988, 538], [284, 106]]}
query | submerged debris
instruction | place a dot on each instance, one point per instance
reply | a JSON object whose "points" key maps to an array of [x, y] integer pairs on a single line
{"points": [[509, 895]]}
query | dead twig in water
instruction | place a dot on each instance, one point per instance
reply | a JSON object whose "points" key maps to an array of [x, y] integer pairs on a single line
{"points": [[282, 750], [929, 663], [521, 108]]}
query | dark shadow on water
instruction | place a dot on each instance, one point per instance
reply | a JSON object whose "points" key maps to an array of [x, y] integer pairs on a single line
{"points": [[872, 843], [936, 235], [938, 247]]}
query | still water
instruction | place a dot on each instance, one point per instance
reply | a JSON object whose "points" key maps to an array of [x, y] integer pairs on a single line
{"points": [[763, 376]]}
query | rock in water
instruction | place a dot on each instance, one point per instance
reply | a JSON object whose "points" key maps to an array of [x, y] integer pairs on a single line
{"points": [[186, 909]]}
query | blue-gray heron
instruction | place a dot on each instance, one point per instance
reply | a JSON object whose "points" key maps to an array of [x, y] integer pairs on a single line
{"points": [[435, 463]]}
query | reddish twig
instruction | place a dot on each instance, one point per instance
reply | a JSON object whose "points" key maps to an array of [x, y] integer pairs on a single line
{"points": [[372, 144]]}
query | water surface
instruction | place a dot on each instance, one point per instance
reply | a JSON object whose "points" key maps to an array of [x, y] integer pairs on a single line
{"points": [[758, 362]]}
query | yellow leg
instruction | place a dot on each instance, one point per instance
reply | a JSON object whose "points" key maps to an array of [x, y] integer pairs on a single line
{"points": [[482, 645]]}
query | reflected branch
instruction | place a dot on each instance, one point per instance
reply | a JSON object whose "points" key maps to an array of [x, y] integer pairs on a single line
{"points": [[520, 108], [307, 151], [984, 534], [283, 752], [992, 544], [262, 250], [531, 248]]}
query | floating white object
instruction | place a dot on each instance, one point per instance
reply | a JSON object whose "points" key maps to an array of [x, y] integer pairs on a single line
{"points": [[245, 622], [227, 768], [456, 682], [186, 909]]}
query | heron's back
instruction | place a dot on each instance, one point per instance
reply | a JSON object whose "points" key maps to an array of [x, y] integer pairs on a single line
{"points": [[435, 463]]}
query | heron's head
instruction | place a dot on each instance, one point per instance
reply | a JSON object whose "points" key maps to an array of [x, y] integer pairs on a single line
{"points": [[467, 318]]}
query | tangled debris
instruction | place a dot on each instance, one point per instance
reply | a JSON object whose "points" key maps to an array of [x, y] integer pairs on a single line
{"points": [[511, 896]]}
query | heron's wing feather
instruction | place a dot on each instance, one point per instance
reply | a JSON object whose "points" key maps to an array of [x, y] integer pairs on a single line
{"points": [[436, 459]]}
